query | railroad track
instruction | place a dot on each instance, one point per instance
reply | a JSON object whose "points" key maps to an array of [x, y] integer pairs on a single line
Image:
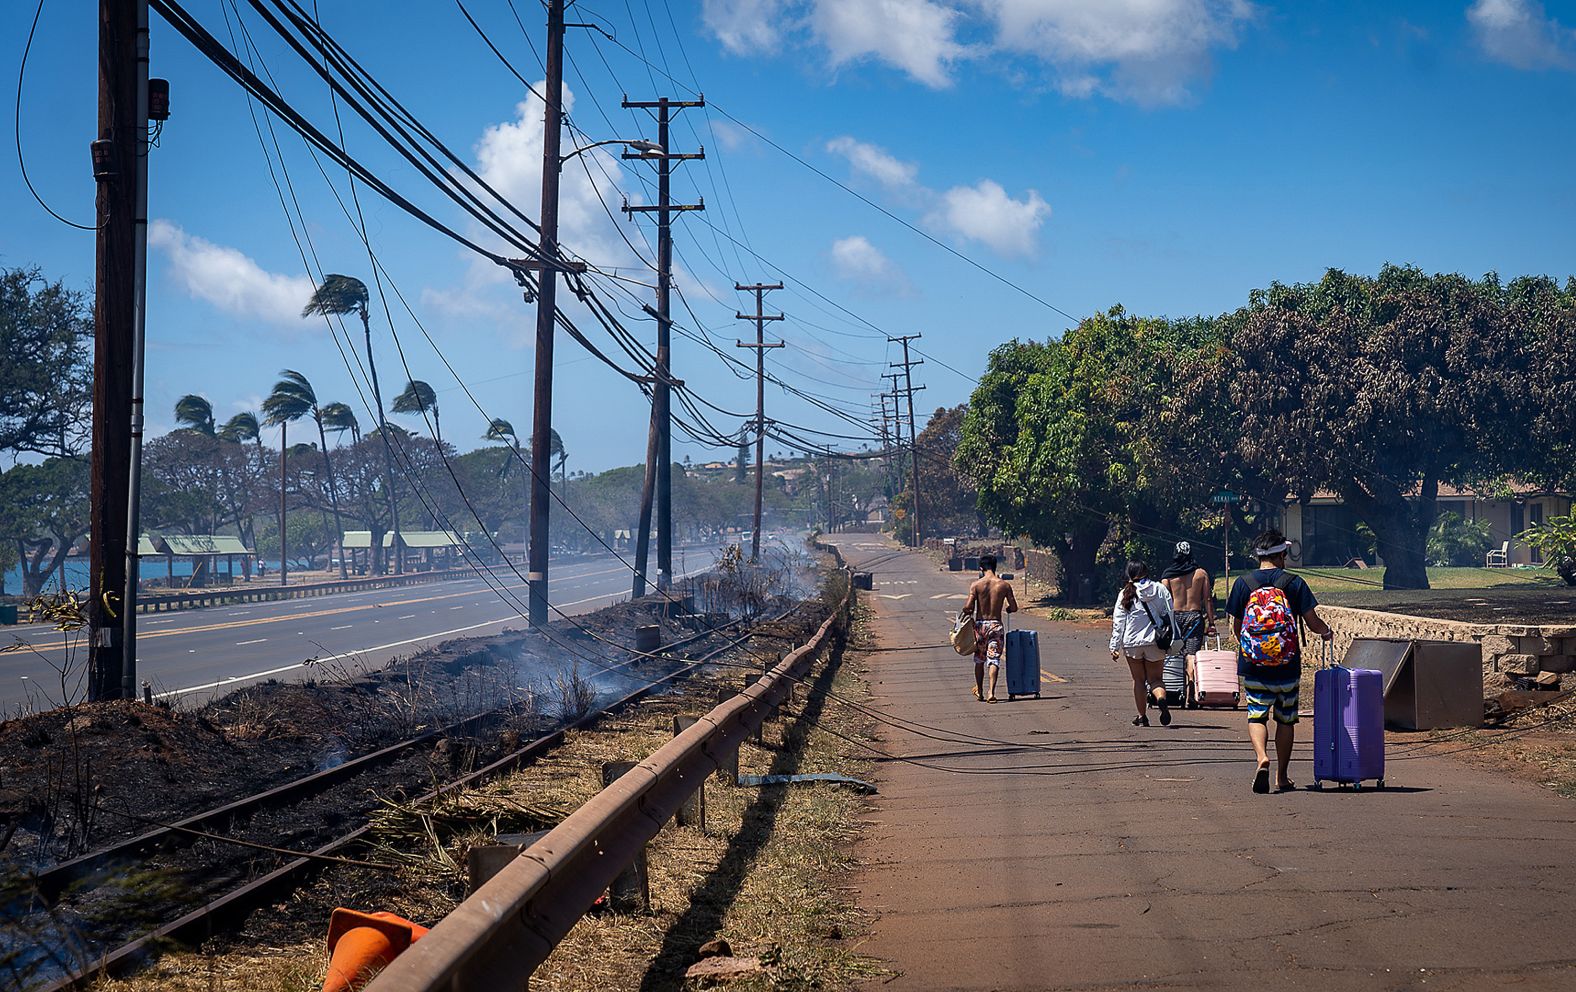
{"points": [[71, 880]]}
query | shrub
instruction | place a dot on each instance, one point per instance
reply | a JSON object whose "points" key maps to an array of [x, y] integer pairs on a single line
{"points": [[1457, 541], [1556, 539]]}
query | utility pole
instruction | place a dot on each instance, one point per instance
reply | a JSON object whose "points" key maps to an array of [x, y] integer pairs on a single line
{"points": [[661, 395], [760, 317], [284, 554], [117, 160], [907, 365], [546, 318]]}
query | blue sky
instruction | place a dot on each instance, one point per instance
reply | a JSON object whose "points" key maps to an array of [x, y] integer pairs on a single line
{"points": [[1168, 155]]}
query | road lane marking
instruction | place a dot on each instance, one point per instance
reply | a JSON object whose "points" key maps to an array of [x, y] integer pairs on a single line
{"points": [[1050, 677], [344, 627], [242, 644], [453, 608], [408, 616], [901, 596], [232, 679]]}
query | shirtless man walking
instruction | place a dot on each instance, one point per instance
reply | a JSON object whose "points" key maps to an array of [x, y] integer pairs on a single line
{"points": [[988, 596], [1192, 592]]}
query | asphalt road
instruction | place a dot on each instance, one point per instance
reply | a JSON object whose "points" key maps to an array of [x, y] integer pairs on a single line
{"points": [[1058, 847], [196, 653]]}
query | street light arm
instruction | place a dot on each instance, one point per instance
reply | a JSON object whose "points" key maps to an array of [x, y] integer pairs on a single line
{"points": [[646, 148]]}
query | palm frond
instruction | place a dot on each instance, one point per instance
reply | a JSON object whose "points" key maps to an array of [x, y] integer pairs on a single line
{"points": [[338, 295]]}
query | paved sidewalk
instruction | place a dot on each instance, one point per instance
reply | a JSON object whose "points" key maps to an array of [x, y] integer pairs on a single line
{"points": [[1083, 853]]}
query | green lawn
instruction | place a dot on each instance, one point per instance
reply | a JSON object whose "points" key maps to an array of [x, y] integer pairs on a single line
{"points": [[1503, 595], [1343, 580]]}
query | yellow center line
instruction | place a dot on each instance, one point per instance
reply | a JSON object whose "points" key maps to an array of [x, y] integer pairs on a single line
{"points": [[1050, 676]]}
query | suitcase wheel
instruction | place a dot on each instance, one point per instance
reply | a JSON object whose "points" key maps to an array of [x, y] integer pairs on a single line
{"points": [[1379, 784], [1037, 696], [1357, 787], [1318, 785]]}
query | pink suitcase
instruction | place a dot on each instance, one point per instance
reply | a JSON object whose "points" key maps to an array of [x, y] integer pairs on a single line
{"points": [[1216, 683]]}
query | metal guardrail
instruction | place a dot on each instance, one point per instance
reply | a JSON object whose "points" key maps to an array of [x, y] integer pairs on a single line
{"points": [[496, 938]]}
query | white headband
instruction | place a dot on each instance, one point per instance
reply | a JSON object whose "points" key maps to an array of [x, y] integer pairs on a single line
{"points": [[1280, 548]]}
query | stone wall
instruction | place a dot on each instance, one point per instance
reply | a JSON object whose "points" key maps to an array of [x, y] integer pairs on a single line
{"points": [[1507, 648]]}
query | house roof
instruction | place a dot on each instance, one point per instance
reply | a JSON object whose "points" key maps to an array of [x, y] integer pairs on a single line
{"points": [[198, 544], [356, 540], [1518, 490], [146, 547]]}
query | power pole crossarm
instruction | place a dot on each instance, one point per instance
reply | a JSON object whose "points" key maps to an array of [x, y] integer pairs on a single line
{"points": [[761, 346]]}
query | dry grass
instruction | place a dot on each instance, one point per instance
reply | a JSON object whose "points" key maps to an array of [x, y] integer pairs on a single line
{"points": [[766, 875]]}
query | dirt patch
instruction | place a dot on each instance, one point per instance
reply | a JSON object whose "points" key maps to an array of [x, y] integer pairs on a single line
{"points": [[1544, 605]]}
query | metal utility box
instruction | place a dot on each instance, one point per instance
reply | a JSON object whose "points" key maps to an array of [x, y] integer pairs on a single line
{"points": [[1428, 685], [7, 614]]}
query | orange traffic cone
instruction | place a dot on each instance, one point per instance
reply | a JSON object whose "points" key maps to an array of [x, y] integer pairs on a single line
{"points": [[362, 944]]}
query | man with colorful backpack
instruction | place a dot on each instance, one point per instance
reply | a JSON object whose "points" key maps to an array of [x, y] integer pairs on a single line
{"points": [[1265, 607]]}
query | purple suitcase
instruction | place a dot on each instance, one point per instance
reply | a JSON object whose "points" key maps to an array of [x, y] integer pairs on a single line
{"points": [[1348, 726]]}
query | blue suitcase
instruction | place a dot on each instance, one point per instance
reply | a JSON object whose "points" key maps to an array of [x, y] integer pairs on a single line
{"points": [[1348, 726], [1023, 663]]}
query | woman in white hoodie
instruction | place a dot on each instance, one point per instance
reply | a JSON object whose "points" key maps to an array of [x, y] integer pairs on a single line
{"points": [[1143, 607]]}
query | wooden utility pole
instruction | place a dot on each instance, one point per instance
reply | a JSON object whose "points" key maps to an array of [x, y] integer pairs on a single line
{"points": [[546, 319], [907, 365], [117, 159], [661, 393], [761, 345], [284, 544]]}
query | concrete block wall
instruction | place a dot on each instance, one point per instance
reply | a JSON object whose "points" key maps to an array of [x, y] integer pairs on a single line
{"points": [[1522, 649]]}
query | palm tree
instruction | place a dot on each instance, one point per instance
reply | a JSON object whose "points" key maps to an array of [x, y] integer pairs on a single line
{"points": [[285, 404], [419, 397], [241, 427], [339, 418], [194, 413], [293, 394], [499, 429], [336, 296]]}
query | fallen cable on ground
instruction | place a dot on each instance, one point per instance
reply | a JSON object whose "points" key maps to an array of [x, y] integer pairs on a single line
{"points": [[759, 780]]}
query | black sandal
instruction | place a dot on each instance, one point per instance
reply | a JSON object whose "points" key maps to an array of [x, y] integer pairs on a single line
{"points": [[1140, 721], [1165, 712], [1261, 781]]}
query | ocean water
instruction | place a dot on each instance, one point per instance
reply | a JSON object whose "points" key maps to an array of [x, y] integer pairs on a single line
{"points": [[75, 573]]}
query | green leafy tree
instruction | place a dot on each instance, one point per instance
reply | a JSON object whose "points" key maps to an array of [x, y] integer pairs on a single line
{"points": [[45, 514], [1454, 540], [46, 365], [1380, 389], [340, 295]]}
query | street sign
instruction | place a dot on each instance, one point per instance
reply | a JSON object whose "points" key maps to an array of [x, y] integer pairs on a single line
{"points": [[1225, 496]]}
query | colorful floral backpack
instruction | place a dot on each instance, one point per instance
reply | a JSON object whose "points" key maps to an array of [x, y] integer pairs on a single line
{"points": [[1269, 627]]}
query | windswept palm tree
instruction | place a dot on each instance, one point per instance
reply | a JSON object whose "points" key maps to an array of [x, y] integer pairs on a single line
{"points": [[293, 394], [502, 430], [285, 404], [499, 429], [339, 418], [194, 413], [336, 296], [241, 427], [420, 398]]}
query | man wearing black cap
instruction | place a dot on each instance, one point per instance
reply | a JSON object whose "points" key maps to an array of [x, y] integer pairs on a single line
{"points": [[1264, 607], [1191, 591]]}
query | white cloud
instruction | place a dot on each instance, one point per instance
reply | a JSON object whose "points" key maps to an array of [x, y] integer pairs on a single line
{"points": [[744, 27], [509, 158], [1146, 51], [1520, 33], [857, 260], [985, 213], [228, 278], [917, 36], [875, 162]]}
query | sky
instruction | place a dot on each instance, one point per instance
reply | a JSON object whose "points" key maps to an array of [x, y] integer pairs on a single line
{"points": [[970, 170]]}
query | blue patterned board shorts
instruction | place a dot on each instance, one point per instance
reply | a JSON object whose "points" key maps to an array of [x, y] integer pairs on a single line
{"points": [[1281, 697]]}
